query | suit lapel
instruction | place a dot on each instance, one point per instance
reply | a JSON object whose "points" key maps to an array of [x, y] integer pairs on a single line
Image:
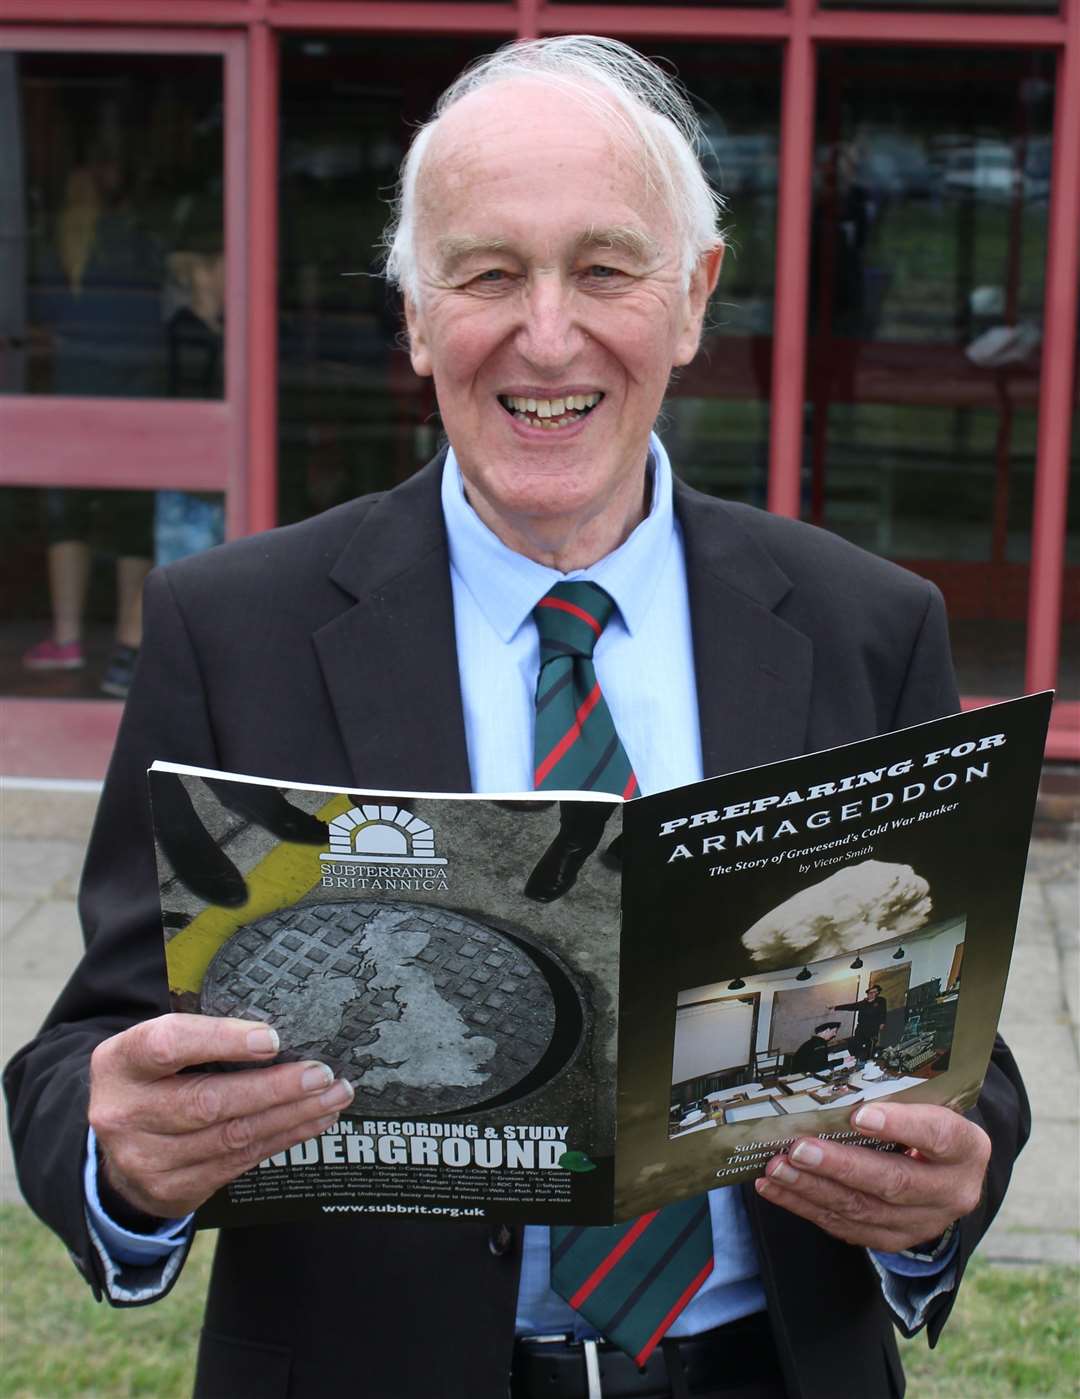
{"points": [[389, 661], [754, 670]]}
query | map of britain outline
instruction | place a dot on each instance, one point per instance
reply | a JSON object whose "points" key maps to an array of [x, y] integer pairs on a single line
{"points": [[419, 1007]]}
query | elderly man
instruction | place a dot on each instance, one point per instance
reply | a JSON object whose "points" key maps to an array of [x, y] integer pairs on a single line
{"points": [[557, 244]]}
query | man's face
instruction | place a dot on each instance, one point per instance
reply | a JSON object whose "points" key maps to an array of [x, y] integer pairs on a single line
{"points": [[551, 308], [872, 992], [829, 1034]]}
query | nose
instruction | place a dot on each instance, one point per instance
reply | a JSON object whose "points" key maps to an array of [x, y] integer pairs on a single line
{"points": [[550, 335]]}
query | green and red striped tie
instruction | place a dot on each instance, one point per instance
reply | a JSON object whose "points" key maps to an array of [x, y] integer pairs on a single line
{"points": [[632, 1280], [576, 746]]}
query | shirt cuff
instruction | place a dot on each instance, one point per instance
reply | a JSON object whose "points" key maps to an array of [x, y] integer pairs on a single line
{"points": [[137, 1266], [909, 1284]]}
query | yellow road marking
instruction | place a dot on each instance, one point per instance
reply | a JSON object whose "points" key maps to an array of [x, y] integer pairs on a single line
{"points": [[281, 878]]}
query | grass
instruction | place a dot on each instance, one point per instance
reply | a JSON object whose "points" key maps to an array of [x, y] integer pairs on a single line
{"points": [[1013, 1331], [58, 1343]]}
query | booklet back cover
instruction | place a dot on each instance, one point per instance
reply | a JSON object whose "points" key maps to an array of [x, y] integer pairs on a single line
{"points": [[813, 934]]}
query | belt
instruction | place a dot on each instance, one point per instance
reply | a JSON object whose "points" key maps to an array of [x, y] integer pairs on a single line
{"points": [[737, 1361]]}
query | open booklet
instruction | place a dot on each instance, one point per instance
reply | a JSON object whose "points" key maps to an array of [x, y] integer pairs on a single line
{"points": [[562, 1008]]}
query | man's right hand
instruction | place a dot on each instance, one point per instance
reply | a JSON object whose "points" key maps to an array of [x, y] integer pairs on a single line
{"points": [[170, 1139]]}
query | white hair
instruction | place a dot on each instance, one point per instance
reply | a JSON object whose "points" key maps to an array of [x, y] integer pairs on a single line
{"points": [[632, 93]]}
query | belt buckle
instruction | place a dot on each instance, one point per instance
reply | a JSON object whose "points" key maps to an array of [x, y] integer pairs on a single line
{"points": [[592, 1370]]}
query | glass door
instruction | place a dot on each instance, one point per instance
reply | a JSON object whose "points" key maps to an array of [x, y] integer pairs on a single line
{"points": [[121, 339], [928, 265]]}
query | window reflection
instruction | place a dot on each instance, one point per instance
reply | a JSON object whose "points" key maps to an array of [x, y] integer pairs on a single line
{"points": [[716, 419], [112, 283], [927, 278], [72, 566]]}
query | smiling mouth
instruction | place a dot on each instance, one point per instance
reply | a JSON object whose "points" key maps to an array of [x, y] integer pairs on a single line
{"points": [[550, 412]]}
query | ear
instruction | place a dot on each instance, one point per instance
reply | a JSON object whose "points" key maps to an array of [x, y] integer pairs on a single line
{"points": [[418, 350], [703, 281]]}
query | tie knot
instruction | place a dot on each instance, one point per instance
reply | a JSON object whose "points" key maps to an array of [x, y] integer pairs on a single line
{"points": [[570, 619]]}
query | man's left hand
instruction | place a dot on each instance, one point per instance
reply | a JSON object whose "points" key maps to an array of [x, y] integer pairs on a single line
{"points": [[883, 1200]]}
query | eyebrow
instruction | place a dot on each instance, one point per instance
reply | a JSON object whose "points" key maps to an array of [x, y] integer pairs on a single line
{"points": [[455, 248], [622, 238]]}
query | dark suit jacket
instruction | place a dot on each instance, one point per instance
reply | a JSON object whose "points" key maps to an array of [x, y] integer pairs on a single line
{"points": [[325, 652]]}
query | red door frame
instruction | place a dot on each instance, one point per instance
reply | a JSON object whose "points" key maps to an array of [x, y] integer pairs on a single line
{"points": [[148, 443], [252, 28], [135, 443]]}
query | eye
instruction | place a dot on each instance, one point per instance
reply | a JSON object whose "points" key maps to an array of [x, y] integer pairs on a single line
{"points": [[489, 281], [600, 274]]}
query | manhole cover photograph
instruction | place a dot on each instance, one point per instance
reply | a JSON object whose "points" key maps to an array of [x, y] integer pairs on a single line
{"points": [[420, 1008]]}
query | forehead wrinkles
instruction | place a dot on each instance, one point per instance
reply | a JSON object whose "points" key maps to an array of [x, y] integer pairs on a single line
{"points": [[494, 135]]}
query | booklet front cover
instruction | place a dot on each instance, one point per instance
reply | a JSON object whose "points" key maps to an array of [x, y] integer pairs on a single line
{"points": [[392, 939], [728, 964]]}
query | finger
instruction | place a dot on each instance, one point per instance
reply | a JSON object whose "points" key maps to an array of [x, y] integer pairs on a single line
{"points": [[937, 1133], [171, 1194], [890, 1176], [191, 1102], [236, 1137], [854, 1204], [161, 1047], [888, 1233]]}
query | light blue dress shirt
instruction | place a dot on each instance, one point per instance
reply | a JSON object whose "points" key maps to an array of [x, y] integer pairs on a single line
{"points": [[645, 665]]}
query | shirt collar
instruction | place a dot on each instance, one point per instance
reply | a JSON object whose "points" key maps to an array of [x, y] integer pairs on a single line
{"points": [[628, 573]]}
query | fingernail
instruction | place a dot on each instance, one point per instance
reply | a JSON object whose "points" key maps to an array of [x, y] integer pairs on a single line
{"points": [[763, 1185], [807, 1154], [339, 1095], [325, 1123], [782, 1171], [870, 1119], [316, 1076], [264, 1041]]}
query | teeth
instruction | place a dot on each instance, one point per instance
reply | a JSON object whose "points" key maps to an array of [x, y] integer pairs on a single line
{"points": [[551, 411]]}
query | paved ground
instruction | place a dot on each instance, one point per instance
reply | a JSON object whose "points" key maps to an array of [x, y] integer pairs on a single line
{"points": [[43, 834]]}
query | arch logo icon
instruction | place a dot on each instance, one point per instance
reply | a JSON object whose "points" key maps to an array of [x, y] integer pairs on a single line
{"points": [[378, 834]]}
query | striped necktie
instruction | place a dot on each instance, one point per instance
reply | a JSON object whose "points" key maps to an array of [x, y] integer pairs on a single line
{"points": [[576, 746], [632, 1280]]}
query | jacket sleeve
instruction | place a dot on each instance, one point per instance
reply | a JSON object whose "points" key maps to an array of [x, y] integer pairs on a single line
{"points": [[1002, 1110], [121, 978]]}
